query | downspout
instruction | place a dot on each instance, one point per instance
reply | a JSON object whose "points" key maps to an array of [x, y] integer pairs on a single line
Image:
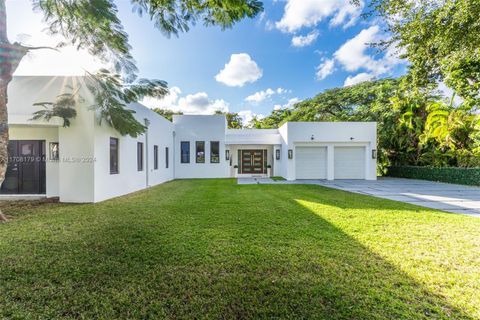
{"points": [[147, 123]]}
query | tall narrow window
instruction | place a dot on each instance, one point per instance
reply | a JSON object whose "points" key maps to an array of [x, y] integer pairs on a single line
{"points": [[166, 157], [200, 151], [155, 157], [113, 155], [140, 156], [185, 152], [214, 151]]}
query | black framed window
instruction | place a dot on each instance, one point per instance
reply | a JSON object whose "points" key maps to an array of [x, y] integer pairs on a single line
{"points": [[113, 155], [200, 152], [140, 156], [166, 157], [185, 152], [214, 151], [155, 157]]}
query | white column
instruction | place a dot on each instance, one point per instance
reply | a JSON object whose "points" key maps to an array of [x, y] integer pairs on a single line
{"points": [[330, 162]]}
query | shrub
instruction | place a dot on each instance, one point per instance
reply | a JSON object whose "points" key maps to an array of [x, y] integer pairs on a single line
{"points": [[466, 176]]}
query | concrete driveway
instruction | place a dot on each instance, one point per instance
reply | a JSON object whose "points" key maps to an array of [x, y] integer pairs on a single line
{"points": [[443, 196]]}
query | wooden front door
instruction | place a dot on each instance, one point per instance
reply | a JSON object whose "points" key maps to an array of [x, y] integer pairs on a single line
{"points": [[253, 161], [26, 168]]}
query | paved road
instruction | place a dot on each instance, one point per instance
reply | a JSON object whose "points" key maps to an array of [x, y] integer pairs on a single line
{"points": [[443, 196]]}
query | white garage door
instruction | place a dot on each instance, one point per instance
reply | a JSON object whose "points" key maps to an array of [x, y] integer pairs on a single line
{"points": [[349, 163], [311, 162]]}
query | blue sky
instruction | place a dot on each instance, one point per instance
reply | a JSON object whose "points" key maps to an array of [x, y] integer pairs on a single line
{"points": [[294, 50]]}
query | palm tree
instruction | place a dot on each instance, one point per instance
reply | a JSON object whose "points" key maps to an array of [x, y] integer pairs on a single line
{"points": [[94, 25]]}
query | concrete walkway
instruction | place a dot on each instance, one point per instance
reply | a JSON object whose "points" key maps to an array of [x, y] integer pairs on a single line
{"points": [[442, 196]]}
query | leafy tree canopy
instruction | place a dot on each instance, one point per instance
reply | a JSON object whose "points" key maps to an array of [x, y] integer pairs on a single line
{"points": [[440, 40], [234, 121]]}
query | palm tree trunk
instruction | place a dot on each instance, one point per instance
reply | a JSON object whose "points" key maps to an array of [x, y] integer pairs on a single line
{"points": [[10, 57]]}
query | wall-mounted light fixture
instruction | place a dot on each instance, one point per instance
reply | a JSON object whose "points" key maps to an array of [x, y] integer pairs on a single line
{"points": [[374, 154], [227, 154], [312, 137], [54, 152], [277, 154], [290, 154]]}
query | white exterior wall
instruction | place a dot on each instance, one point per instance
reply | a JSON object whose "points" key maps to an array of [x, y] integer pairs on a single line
{"points": [[284, 161], [129, 179], [200, 128], [77, 158]]}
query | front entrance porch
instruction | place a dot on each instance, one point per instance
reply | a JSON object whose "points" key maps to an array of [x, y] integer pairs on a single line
{"points": [[248, 161]]}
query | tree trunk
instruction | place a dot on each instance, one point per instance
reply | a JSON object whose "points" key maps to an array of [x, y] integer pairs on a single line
{"points": [[10, 57]]}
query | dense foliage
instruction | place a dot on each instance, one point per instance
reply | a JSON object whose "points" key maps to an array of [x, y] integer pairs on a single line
{"points": [[467, 176], [439, 39], [415, 127], [234, 121]]}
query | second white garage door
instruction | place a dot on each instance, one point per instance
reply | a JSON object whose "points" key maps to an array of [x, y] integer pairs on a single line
{"points": [[311, 162], [349, 163]]}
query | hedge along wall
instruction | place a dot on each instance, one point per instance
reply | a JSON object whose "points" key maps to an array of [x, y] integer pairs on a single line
{"points": [[467, 176]]}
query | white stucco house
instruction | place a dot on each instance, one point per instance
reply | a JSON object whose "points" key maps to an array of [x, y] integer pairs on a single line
{"points": [[91, 162]]}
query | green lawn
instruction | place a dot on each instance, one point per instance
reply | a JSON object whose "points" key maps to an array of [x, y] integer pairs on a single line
{"points": [[214, 249]]}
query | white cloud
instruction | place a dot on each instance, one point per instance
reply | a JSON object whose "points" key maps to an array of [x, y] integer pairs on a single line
{"points": [[198, 103], [308, 13], [353, 56], [290, 103], [167, 102], [361, 77], [326, 68], [303, 41], [248, 115], [240, 70], [259, 96]]}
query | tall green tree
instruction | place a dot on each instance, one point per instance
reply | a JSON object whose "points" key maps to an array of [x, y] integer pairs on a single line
{"points": [[439, 39], [94, 25], [234, 121]]}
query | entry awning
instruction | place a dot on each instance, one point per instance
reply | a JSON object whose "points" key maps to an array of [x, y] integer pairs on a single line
{"points": [[26, 120], [253, 136]]}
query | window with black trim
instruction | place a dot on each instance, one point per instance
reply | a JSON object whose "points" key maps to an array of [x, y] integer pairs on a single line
{"points": [[185, 152], [166, 157], [200, 152], [113, 155], [155, 157], [214, 151], [140, 156]]}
